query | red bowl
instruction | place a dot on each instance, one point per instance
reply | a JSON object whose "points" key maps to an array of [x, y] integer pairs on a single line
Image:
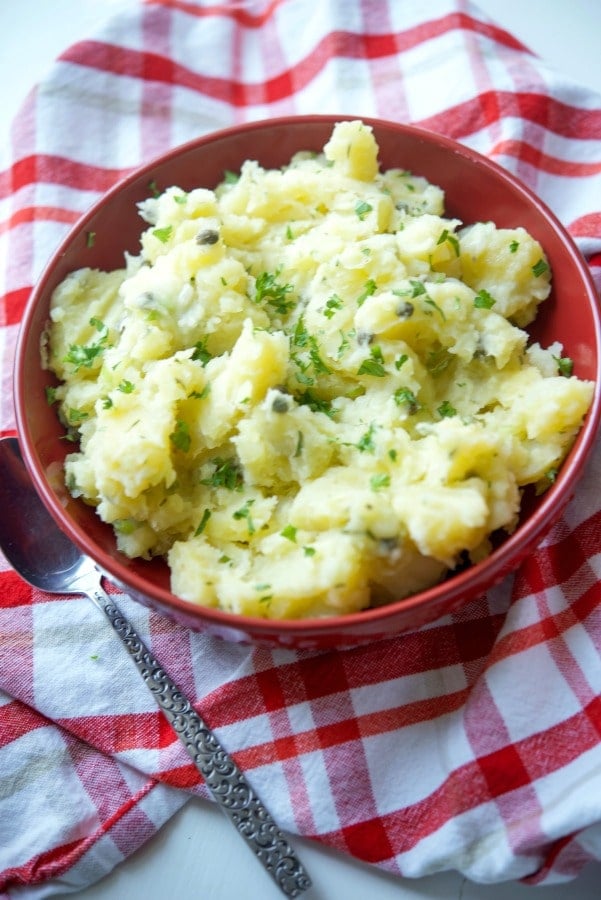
{"points": [[476, 190]]}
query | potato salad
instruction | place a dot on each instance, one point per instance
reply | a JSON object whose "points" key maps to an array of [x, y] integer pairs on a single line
{"points": [[311, 391]]}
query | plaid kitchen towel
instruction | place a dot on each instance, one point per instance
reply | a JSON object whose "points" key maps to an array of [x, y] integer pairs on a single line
{"points": [[472, 744]]}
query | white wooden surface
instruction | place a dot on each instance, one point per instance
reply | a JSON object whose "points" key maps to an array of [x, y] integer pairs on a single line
{"points": [[197, 854]]}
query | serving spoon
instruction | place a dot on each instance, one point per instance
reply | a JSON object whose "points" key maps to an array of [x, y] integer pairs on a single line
{"points": [[47, 559]]}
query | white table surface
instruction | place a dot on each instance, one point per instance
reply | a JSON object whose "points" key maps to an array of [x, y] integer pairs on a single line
{"points": [[197, 854]]}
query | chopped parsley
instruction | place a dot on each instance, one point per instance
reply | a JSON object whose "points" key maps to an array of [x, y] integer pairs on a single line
{"points": [[446, 409], [540, 268], [319, 366], [125, 526], [565, 365], [300, 336], [447, 237], [77, 415], [343, 345], [362, 209], [483, 300], [126, 387], [315, 403], [405, 397], [180, 436], [369, 289], [227, 473], [377, 482], [269, 289], [332, 304], [244, 513], [514, 246], [90, 238], [366, 443], [163, 234], [201, 354], [289, 532], [373, 365], [417, 287], [84, 355], [436, 307], [203, 522]]}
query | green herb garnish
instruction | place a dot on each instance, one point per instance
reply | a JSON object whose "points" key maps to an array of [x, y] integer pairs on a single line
{"points": [[446, 409], [84, 355], [125, 526], [180, 436], [565, 365], [244, 513], [363, 208], [268, 288], [227, 474], [163, 234], [449, 238], [418, 287], [201, 354], [435, 306], [377, 482], [405, 397], [332, 304], [203, 522], [483, 300], [315, 403], [289, 532], [369, 289], [77, 415], [366, 442], [373, 364]]}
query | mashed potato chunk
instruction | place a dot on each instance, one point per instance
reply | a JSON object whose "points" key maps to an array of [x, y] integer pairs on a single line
{"points": [[311, 391]]}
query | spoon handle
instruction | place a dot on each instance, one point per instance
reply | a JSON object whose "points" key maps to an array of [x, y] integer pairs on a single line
{"points": [[222, 776]]}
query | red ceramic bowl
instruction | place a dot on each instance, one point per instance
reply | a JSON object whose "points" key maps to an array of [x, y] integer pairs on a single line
{"points": [[476, 190]]}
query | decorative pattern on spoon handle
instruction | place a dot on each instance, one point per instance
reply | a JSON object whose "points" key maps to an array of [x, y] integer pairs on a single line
{"points": [[222, 776]]}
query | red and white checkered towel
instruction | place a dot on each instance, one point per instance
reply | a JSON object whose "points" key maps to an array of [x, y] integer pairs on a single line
{"points": [[472, 744]]}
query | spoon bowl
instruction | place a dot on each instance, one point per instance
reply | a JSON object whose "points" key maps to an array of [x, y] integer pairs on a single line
{"points": [[31, 541]]}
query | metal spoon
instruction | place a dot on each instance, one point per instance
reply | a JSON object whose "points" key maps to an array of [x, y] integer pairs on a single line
{"points": [[40, 552]]}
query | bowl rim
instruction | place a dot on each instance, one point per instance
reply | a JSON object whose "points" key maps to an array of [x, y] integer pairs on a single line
{"points": [[480, 576]]}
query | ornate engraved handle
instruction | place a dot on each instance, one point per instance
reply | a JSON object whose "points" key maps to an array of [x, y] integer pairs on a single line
{"points": [[222, 776]]}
